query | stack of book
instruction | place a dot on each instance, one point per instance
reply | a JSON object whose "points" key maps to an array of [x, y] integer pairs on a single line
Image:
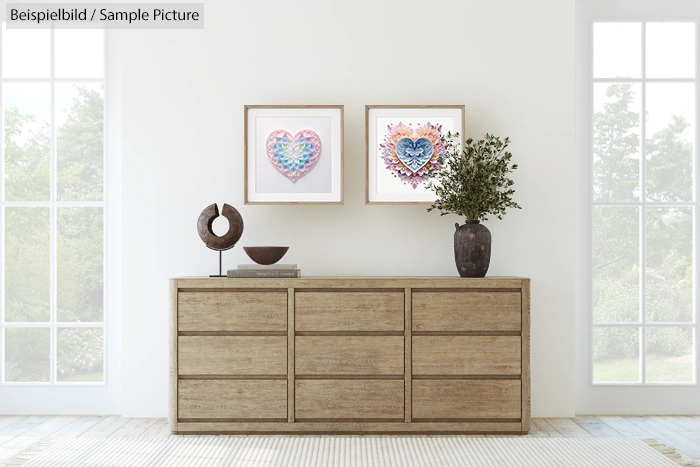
{"points": [[261, 270]]}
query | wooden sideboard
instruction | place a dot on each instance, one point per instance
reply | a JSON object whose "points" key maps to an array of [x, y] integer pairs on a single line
{"points": [[350, 355]]}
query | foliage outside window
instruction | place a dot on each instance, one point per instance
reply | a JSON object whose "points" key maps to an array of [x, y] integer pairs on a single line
{"points": [[53, 202], [643, 203]]}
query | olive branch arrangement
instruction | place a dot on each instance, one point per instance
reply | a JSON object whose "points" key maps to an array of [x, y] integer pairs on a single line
{"points": [[474, 182]]}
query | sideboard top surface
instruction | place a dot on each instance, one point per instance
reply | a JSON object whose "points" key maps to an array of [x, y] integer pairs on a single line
{"points": [[352, 282]]}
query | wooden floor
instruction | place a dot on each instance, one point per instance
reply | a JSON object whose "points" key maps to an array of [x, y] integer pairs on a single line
{"points": [[18, 433]]}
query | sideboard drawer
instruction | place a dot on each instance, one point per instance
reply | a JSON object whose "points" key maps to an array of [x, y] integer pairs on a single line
{"points": [[455, 399], [349, 355], [232, 311], [232, 355], [229, 399], [466, 311], [466, 355], [349, 311], [355, 355], [349, 399]]}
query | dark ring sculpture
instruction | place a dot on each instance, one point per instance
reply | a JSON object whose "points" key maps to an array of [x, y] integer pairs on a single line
{"points": [[229, 239]]}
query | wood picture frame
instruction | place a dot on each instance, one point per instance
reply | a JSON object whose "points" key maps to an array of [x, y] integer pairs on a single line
{"points": [[397, 135], [293, 154]]}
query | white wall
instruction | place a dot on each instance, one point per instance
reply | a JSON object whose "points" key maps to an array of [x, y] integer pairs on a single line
{"points": [[510, 63]]}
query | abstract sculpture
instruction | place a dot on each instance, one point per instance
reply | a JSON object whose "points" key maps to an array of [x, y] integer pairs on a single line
{"points": [[226, 241]]}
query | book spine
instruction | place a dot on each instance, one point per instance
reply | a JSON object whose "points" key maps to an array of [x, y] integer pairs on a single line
{"points": [[264, 267], [267, 273]]}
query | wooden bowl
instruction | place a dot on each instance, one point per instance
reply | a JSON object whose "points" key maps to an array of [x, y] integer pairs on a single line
{"points": [[265, 254]]}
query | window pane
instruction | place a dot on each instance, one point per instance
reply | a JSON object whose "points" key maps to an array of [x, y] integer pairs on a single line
{"points": [[79, 142], [616, 355], [670, 50], [616, 136], [26, 53], [617, 50], [26, 141], [615, 264], [670, 140], [669, 264], [27, 354], [79, 53], [669, 355], [80, 355], [27, 262], [80, 265]]}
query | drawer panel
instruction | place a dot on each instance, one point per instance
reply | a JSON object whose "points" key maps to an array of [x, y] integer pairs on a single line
{"points": [[349, 399], [466, 355], [453, 399], [238, 399], [349, 355], [232, 311], [349, 311], [466, 311], [232, 355]]}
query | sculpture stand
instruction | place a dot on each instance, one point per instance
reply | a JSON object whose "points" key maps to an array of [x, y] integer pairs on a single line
{"points": [[221, 251], [213, 241], [220, 271]]}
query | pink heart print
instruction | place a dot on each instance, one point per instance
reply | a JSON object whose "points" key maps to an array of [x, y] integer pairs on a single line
{"points": [[293, 156]]}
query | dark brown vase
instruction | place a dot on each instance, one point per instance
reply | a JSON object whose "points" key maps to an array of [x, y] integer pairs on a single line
{"points": [[472, 249]]}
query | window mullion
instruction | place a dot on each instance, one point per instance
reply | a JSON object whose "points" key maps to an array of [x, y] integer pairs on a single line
{"points": [[2, 224], [696, 231], [643, 212], [53, 214]]}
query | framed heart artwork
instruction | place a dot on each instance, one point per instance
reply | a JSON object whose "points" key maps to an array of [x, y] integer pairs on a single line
{"points": [[293, 154], [405, 145]]}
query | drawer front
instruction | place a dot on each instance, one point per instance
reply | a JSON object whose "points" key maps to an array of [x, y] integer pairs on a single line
{"points": [[232, 355], [453, 399], [232, 311], [349, 399], [349, 355], [239, 399], [466, 311], [349, 311], [466, 355]]}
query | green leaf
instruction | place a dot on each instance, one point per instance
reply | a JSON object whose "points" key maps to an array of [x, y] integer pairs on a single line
{"points": [[474, 181]]}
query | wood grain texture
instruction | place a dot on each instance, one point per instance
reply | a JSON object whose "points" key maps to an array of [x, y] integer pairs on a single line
{"points": [[466, 399], [349, 311], [134, 428], [339, 355], [568, 428], [291, 303], [478, 355], [466, 311], [408, 365], [232, 355], [172, 377], [351, 283], [356, 428], [232, 311], [525, 372], [347, 355], [349, 399], [106, 427], [232, 399]]}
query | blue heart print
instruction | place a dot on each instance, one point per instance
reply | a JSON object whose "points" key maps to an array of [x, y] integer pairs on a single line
{"points": [[414, 154]]}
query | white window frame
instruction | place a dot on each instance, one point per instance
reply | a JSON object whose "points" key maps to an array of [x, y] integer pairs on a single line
{"points": [[643, 204], [77, 397], [624, 398]]}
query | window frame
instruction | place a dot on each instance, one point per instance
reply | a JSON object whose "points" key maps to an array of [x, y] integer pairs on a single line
{"points": [[642, 205], [53, 204]]}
